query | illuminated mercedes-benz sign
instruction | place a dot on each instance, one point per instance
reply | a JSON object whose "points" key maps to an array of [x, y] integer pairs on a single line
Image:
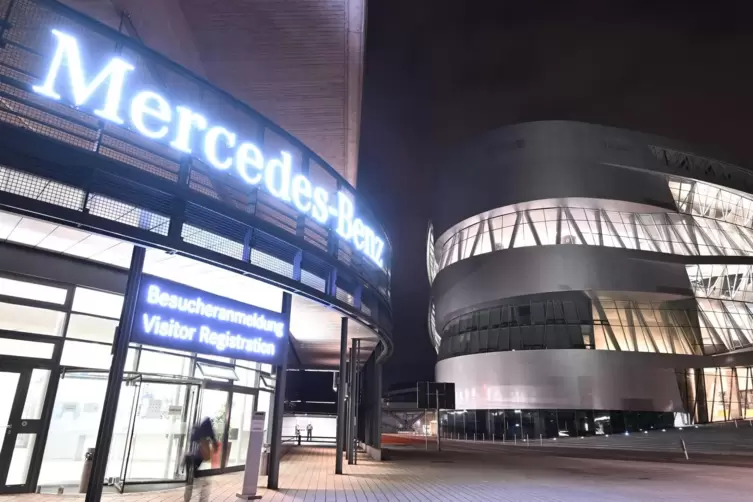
{"points": [[184, 129]]}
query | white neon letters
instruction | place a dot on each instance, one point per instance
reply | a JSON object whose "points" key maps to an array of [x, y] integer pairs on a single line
{"points": [[277, 176], [157, 326], [153, 117], [115, 71], [149, 104], [197, 306], [187, 119], [302, 193], [210, 147]]}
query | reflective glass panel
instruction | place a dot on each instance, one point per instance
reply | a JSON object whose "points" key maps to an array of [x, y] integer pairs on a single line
{"points": [[21, 459], [31, 291], [31, 319], [35, 395], [90, 301]]}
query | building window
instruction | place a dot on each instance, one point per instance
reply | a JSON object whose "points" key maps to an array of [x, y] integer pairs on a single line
{"points": [[31, 319], [32, 291]]}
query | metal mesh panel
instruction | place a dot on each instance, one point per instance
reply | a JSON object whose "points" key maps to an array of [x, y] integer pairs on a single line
{"points": [[131, 192], [137, 163], [45, 130], [366, 309], [143, 155], [313, 280], [314, 272], [202, 184], [127, 214], [275, 212], [211, 241], [315, 234], [344, 296], [220, 224], [18, 109], [41, 189], [222, 186], [345, 253], [273, 254], [271, 263]]}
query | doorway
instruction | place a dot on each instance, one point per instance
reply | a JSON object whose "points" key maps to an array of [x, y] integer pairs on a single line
{"points": [[230, 408], [23, 390]]}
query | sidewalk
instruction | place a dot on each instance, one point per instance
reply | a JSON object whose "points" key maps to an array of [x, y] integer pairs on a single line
{"points": [[306, 474], [415, 475]]}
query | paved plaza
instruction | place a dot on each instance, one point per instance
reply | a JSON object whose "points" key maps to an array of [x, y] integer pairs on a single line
{"points": [[307, 474]]}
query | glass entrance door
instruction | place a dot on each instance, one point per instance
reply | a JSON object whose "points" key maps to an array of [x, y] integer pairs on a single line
{"points": [[22, 396], [230, 408]]}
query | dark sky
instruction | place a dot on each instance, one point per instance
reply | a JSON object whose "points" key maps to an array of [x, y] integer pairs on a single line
{"points": [[441, 72]]}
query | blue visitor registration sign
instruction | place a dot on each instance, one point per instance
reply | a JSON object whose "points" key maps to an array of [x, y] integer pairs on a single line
{"points": [[179, 317]]}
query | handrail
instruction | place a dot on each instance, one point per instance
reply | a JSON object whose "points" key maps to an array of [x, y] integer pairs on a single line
{"points": [[149, 53]]}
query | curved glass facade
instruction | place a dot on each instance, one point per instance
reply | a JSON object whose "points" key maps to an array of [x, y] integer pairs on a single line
{"points": [[712, 221], [701, 326]]}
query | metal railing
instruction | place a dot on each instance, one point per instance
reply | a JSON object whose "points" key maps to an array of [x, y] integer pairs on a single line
{"points": [[191, 207]]}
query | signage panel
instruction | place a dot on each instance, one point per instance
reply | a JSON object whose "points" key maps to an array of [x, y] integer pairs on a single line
{"points": [[179, 317], [109, 93]]}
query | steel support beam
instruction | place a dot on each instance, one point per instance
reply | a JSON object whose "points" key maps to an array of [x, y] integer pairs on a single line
{"points": [[352, 399], [341, 388], [357, 392], [115, 378], [279, 405]]}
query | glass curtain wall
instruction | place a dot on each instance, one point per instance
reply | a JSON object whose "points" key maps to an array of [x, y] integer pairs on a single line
{"points": [[712, 221], [520, 426], [158, 401]]}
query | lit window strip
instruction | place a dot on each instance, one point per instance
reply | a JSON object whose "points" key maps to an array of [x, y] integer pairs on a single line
{"points": [[671, 233]]}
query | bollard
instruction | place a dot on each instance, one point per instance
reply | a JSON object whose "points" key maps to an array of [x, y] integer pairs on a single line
{"points": [[750, 422], [515, 438], [684, 448], [474, 437], [466, 436], [492, 438], [527, 441], [735, 423], [541, 440], [483, 437]]}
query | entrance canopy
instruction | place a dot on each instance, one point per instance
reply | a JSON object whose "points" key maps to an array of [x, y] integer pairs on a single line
{"points": [[314, 327]]}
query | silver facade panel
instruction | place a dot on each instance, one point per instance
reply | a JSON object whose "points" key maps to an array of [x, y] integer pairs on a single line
{"points": [[545, 160], [563, 379], [484, 281]]}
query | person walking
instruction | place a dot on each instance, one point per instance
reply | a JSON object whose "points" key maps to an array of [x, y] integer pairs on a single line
{"points": [[202, 442], [298, 434], [309, 432]]}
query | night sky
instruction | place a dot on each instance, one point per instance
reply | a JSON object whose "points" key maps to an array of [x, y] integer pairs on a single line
{"points": [[439, 73]]}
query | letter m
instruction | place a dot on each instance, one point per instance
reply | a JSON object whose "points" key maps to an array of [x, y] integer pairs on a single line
{"points": [[67, 52]]}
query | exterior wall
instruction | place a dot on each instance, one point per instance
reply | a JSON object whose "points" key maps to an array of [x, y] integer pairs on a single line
{"points": [[582, 267], [543, 160], [300, 63], [564, 379], [485, 280]]}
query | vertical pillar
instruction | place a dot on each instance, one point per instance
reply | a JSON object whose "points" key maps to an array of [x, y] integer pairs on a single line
{"points": [[115, 378], [341, 397], [352, 399], [378, 399], [349, 399], [279, 404], [357, 394]]}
